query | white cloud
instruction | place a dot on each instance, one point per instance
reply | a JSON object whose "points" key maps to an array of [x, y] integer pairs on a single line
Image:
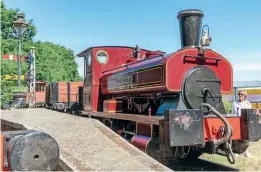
{"points": [[246, 65], [244, 57], [254, 66]]}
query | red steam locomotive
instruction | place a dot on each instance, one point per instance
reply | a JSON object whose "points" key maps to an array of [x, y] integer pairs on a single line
{"points": [[168, 105]]}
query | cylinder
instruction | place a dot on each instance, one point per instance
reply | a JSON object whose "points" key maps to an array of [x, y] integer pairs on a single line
{"points": [[190, 22], [148, 145], [31, 151], [141, 142]]}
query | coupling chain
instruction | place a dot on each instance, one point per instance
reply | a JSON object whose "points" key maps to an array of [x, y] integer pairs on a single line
{"points": [[229, 152]]}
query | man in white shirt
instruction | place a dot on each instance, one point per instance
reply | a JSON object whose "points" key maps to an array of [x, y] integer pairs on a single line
{"points": [[242, 103]]}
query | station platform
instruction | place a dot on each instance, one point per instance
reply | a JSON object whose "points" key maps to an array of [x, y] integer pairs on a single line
{"points": [[85, 144]]}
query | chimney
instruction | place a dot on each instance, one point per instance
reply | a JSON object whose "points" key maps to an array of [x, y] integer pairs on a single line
{"points": [[190, 22]]}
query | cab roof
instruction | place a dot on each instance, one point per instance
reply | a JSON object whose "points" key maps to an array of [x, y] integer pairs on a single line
{"points": [[81, 54]]}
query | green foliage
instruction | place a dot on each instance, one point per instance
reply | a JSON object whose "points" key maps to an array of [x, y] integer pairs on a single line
{"points": [[53, 62], [21, 89], [8, 87], [228, 106], [10, 67], [7, 29], [10, 46]]}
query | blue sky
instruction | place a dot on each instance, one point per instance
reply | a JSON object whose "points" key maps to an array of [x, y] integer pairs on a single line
{"points": [[235, 26]]}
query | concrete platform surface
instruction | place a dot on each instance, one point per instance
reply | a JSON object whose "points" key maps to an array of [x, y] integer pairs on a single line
{"points": [[85, 144]]}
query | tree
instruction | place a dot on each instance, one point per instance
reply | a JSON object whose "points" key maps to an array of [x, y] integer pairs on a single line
{"points": [[53, 62], [7, 18]]}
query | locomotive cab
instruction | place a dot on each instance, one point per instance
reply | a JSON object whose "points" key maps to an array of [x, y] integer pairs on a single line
{"points": [[101, 60]]}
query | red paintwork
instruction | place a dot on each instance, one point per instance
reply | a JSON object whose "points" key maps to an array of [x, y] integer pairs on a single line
{"points": [[144, 129], [112, 106], [175, 71], [63, 91], [118, 55], [39, 96], [74, 90], [40, 92], [141, 142], [8, 57], [156, 83], [2, 167], [212, 126]]}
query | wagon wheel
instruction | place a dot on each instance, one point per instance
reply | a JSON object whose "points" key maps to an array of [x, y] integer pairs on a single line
{"points": [[73, 110], [6, 106]]}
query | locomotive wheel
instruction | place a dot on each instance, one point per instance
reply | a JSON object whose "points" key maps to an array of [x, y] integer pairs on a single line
{"points": [[193, 154], [107, 122]]}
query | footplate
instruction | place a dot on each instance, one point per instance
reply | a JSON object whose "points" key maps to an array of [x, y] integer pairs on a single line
{"points": [[250, 124], [185, 127]]}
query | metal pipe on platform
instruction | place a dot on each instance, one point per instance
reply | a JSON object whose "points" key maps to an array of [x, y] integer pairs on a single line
{"points": [[28, 150]]}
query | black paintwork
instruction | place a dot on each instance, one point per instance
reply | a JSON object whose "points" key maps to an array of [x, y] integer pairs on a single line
{"points": [[190, 26], [69, 91], [250, 124], [19, 99], [200, 86], [80, 97], [54, 92], [185, 127]]}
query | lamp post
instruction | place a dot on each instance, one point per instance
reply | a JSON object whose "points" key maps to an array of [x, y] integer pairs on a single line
{"points": [[20, 26]]}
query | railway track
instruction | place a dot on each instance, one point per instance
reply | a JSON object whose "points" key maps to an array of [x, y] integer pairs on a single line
{"points": [[200, 165]]}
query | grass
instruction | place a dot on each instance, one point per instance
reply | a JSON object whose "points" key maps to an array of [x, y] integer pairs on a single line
{"points": [[252, 163]]}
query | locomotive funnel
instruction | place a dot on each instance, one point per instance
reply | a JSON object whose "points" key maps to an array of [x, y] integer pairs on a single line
{"points": [[190, 22]]}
